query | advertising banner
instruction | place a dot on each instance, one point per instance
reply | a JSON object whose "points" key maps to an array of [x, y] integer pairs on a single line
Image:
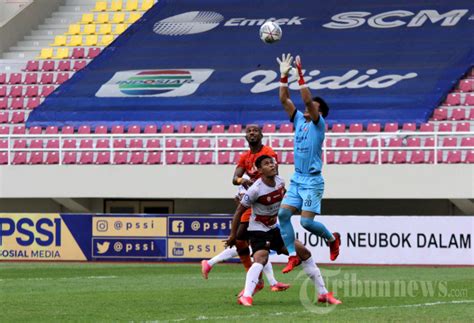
{"points": [[397, 240]]}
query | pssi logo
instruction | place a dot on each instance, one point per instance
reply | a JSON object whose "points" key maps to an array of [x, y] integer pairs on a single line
{"points": [[390, 19], [44, 232], [195, 22], [154, 83]]}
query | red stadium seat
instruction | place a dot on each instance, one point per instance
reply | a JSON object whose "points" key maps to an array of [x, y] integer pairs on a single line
{"points": [[3, 158], [31, 78], [15, 78], [151, 144], [18, 117], [204, 143], [171, 157], [200, 128], [395, 142], [454, 157], [32, 91], [184, 128], [356, 127], [19, 158], [288, 143], [32, 66], [223, 157], [275, 143], [458, 114], [391, 127], [33, 103], [36, 158], [384, 155], [439, 155], [363, 157], [440, 114], [342, 142], [330, 157], [463, 126], [453, 99], [345, 157], [70, 143], [186, 143], [78, 53], [218, 128], [70, 157], [16, 91], [120, 158], [48, 66], [47, 90], [222, 143], [120, 143], [19, 130], [236, 157], [466, 85], [450, 142], [47, 78], [399, 157], [103, 143], [79, 65], [84, 130], [205, 158], [154, 158], [269, 128], [18, 103], [235, 128], [3, 117], [467, 142], [188, 158], [35, 130], [36, 144], [286, 128], [117, 129], [417, 157], [238, 143], [151, 128], [52, 130], [4, 130], [469, 99], [134, 129], [471, 114], [469, 159], [338, 127], [409, 127], [414, 142], [171, 143], [373, 127], [52, 158], [427, 127], [360, 142], [103, 158], [289, 158], [86, 144], [61, 78], [3, 91], [93, 53], [136, 143], [137, 157], [3, 103], [169, 128], [445, 127], [64, 66], [100, 130]]}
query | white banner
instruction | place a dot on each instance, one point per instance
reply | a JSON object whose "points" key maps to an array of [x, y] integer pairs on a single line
{"points": [[400, 240]]}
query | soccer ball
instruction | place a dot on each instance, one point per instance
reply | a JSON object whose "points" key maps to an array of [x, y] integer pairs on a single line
{"points": [[270, 32]]}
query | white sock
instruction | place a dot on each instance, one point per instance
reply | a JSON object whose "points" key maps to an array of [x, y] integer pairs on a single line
{"points": [[252, 278], [223, 256], [268, 271], [314, 274]]}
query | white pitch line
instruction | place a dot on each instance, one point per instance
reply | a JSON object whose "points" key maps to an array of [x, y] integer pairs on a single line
{"points": [[231, 317], [60, 278]]}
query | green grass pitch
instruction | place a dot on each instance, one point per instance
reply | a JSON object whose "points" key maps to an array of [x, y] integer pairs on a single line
{"points": [[177, 292]]}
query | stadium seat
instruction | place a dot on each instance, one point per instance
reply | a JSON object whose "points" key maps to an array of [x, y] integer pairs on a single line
{"points": [[47, 90], [391, 127], [235, 128], [119, 29], [36, 130], [168, 128], [61, 78], [466, 85], [19, 130], [463, 126], [356, 127], [385, 157], [47, 78], [188, 158], [427, 127], [452, 99], [78, 53], [87, 18], [184, 128], [150, 129], [154, 158], [48, 66], [3, 78], [137, 158], [75, 40], [186, 143], [86, 144], [467, 142], [104, 30], [289, 158], [59, 40], [363, 157], [102, 18], [101, 129], [32, 103], [70, 157], [203, 143], [36, 143], [16, 91], [15, 78], [454, 157], [32, 91], [52, 158], [3, 143], [102, 143], [458, 114], [19, 144], [238, 143], [440, 114], [200, 128], [3, 103], [62, 53], [3, 91], [67, 130], [133, 17], [269, 128], [450, 142], [86, 158], [100, 6], [120, 143], [275, 143], [471, 114], [469, 158], [46, 53], [147, 4], [119, 18], [3, 158], [236, 156], [218, 128], [84, 130], [409, 126], [132, 5], [64, 66], [445, 127], [74, 29], [116, 5], [342, 142], [117, 129], [338, 128], [90, 30], [31, 78], [92, 40], [395, 142], [286, 128], [417, 157], [360, 142], [205, 158], [171, 143], [171, 157], [103, 158], [414, 142], [134, 129], [222, 143], [439, 155], [36, 158], [288, 143], [373, 127], [4, 117], [120, 158], [329, 157], [31, 66], [223, 157], [93, 53], [429, 142], [19, 158], [469, 99], [69, 143], [345, 157], [18, 117], [136, 143], [151, 144], [399, 157], [18, 104], [79, 65]]}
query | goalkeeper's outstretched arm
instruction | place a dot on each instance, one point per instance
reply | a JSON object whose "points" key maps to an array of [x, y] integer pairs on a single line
{"points": [[285, 67]]}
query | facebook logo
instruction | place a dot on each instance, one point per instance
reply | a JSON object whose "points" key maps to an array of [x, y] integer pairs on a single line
{"points": [[177, 226]]}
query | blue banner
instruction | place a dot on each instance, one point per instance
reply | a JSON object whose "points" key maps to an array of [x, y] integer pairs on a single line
{"points": [[195, 62]]}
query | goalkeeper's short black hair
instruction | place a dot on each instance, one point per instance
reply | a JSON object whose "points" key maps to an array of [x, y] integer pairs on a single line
{"points": [[323, 106]]}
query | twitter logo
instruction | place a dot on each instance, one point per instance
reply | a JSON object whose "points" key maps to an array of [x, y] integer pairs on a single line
{"points": [[103, 247]]}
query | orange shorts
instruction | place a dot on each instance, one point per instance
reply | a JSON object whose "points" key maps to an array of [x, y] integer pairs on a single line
{"points": [[246, 216]]}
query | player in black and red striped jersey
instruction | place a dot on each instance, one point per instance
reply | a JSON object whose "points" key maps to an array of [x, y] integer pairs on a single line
{"points": [[264, 198]]}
